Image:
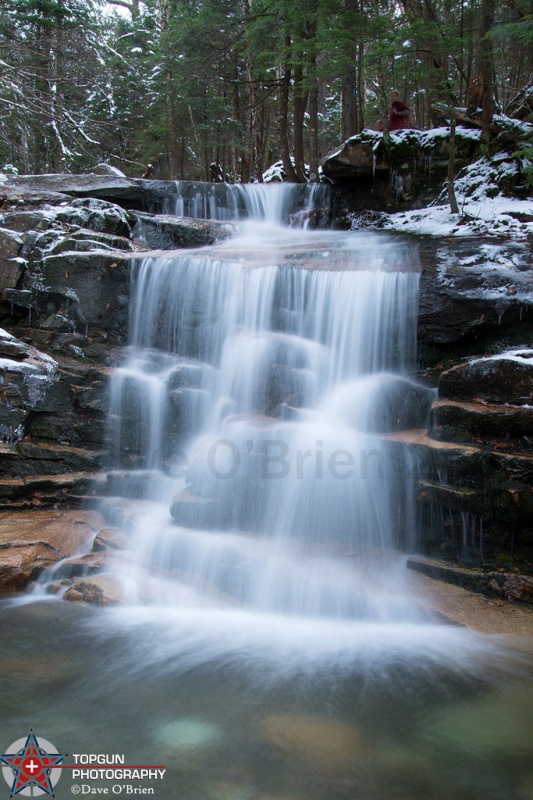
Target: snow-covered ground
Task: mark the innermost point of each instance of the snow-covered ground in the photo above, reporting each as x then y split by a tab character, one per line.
485	207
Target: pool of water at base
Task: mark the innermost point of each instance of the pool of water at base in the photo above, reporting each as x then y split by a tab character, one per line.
271	708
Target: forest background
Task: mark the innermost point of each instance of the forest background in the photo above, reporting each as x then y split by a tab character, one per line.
240	84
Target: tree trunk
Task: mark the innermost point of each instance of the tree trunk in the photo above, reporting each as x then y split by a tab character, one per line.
173	154
313	102
55	89
300	104
348	104
451	165
487	69
360	104
254	128
283	117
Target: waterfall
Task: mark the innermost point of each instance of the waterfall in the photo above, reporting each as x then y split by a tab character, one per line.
258	378
273	202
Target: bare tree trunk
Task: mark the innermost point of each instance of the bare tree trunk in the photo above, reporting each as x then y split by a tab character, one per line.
313	101
451	165
348	107
283	117
172	137
173	154
55	88
300	104
487	68
254	128
360	104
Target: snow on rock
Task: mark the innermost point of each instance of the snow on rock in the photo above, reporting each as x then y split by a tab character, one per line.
487	207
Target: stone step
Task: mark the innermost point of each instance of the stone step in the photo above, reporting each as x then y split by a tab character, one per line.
46	490
512	585
482	423
458	498
467	462
504	378
37	457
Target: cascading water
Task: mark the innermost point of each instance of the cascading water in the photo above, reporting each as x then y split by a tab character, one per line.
256	374
274	652
222	201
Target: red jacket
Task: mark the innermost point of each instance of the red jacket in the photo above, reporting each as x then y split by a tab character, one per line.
399	116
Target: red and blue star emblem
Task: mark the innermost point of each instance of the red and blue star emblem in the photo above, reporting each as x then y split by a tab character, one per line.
32	766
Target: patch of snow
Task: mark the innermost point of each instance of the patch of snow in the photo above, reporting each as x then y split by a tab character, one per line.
18	366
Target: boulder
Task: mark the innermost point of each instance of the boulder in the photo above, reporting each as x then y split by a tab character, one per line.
110	539
405	172
91	288
100	590
504	378
84	240
456	421
23	221
10	244
97	215
11	267
32	541
471	309
108	169
25	376
130	192
166	232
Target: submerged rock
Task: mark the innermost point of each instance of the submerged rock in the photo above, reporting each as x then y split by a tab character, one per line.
99	590
324	744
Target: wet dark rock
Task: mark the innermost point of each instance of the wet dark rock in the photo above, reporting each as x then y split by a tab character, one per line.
406	172
507	585
97	215
455	421
193	511
165	232
466	311
42	491
23	221
92	288
10	244
25	375
395	404
465	491
84	240
11	267
19	298
506	378
130	192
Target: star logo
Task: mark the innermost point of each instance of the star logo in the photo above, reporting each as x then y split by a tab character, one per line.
29	767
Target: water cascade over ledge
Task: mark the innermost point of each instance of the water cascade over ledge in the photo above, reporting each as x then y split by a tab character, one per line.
266	644
260	371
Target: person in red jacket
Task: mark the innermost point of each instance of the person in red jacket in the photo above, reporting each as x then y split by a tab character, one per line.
399	113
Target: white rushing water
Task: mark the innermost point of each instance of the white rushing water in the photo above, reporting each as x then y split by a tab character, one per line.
259	373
